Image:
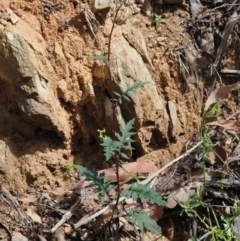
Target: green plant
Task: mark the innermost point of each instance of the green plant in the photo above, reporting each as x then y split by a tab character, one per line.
214	112
128	92
158	20
101	187
207	144
101	134
224	232
114	148
213	225
136	216
69	169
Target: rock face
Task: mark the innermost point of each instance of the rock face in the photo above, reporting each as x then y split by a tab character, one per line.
128	67
28	78
54	97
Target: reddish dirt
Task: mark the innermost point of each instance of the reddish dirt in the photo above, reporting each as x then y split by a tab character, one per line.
38	159
41	156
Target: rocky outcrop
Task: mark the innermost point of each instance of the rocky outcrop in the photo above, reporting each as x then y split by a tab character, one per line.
127	64
58	92
29	79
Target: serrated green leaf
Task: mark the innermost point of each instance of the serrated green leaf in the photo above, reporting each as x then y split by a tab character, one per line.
116	93
137	85
144	193
142	219
128	92
126	98
96	180
128	147
132	89
124	139
126	131
145	221
124	155
118	136
80	168
134	196
109	146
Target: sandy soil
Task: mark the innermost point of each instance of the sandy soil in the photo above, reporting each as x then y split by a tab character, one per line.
37	158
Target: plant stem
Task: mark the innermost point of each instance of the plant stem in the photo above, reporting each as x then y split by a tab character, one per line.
116	156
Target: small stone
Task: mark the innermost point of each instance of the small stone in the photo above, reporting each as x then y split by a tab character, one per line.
136	9
161	39
147	8
67	228
3	22
11	214
13	17
159	29
5	16
18	237
162	44
102	4
156	62
32	213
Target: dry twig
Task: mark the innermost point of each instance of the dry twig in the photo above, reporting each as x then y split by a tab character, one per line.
67	215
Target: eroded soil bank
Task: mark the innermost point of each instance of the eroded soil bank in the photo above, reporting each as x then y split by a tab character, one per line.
54	98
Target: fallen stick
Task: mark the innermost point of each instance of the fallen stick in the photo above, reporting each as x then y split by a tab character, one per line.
170	163
67	215
230	71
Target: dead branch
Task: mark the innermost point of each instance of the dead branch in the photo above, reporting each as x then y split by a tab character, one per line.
67	215
230	71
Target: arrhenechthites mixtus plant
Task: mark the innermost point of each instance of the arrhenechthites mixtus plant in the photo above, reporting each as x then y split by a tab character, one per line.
115	149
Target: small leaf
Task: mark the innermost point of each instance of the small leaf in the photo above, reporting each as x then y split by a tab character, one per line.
143	221
116	93
109	147
124	155
153	227
121	88
144	193
126	98
130	89
220	94
97	180
118	136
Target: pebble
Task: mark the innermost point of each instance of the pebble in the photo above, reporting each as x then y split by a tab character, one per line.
19	237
